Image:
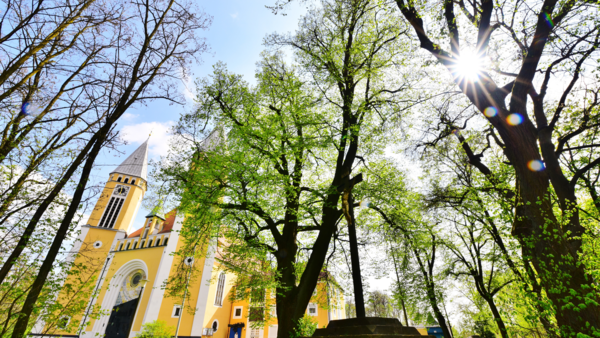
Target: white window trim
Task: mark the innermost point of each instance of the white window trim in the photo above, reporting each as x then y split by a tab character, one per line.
316	309
241	312
222	291
173	313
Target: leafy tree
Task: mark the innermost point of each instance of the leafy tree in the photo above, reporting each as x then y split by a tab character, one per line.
535	94
149	48
291	148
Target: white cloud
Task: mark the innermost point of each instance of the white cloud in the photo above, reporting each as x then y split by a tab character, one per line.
234	15
159	141
129	117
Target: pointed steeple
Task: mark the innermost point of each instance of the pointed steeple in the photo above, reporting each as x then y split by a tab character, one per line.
136	164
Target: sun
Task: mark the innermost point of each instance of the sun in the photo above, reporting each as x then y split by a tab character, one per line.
468	66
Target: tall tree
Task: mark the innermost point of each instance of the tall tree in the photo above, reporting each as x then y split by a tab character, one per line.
545	38
292	144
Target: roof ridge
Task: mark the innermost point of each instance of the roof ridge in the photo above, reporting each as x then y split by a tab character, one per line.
135	164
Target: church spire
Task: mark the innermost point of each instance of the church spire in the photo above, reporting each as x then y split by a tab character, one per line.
136	164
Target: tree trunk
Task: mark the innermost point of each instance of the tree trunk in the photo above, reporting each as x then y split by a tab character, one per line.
26	236
36	288
356	276
497	318
431	296
404	311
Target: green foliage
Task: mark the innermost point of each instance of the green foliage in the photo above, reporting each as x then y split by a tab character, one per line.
156	329
305	327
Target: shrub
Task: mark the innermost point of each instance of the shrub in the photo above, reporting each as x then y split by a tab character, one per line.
305	328
156	329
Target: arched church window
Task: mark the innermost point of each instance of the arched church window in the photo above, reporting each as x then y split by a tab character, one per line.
150	243
220	288
119	179
126	180
165	243
120	247
133	181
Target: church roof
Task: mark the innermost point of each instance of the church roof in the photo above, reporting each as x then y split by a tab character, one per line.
167	225
136	164
157	211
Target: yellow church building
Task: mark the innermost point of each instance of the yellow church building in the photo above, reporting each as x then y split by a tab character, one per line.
131	267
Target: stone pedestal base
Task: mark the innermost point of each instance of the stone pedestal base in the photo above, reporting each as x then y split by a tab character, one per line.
368	328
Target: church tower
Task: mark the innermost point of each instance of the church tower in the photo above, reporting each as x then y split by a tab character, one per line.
123	193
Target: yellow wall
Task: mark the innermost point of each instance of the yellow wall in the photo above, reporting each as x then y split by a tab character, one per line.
222	313
94	260
133	199
151	257
320	299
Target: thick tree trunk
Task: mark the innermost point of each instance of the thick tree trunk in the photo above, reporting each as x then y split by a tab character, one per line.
555	251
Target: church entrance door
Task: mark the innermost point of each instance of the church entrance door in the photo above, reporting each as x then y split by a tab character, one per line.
121	318
235	332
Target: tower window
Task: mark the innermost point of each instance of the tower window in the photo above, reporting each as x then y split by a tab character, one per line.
220	288
126	180
312	309
237	312
133	181
166	240
176	311
145	233
119	179
120	247
215	325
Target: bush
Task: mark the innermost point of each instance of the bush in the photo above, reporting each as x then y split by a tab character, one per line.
156	329
305	328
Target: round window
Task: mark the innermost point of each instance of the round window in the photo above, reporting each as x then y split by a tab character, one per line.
215	325
97	245
189	261
135	279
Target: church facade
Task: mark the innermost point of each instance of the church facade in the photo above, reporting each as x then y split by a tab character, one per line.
131	267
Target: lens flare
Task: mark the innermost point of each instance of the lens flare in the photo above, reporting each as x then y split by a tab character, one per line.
30	109
490	112
514	119
548	20
536	165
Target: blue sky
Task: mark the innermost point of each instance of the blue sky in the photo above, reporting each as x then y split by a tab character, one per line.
235	38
